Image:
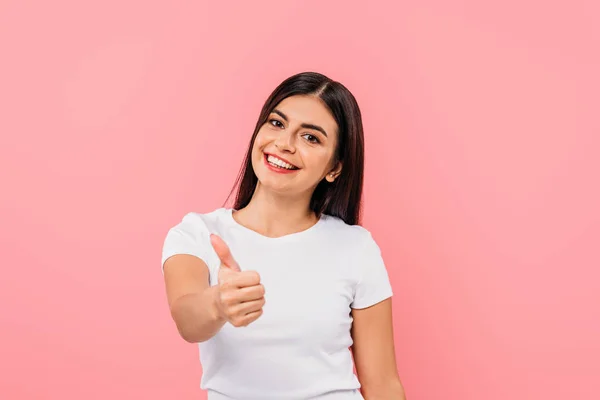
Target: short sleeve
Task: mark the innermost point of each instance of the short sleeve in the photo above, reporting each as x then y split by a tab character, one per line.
373	283
190	236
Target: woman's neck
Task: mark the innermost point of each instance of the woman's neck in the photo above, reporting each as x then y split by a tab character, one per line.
273	215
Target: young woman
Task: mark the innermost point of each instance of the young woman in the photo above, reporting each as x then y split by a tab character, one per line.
285	288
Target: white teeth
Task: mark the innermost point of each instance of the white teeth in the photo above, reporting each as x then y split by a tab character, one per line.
278	162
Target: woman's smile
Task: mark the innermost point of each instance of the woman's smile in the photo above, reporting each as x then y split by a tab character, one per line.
276	164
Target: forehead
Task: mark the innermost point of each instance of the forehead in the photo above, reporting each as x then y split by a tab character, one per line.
308	109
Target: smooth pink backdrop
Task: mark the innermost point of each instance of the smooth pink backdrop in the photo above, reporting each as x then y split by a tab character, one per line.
482	181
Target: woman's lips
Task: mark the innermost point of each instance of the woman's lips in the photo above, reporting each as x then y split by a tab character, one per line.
275	169
280	158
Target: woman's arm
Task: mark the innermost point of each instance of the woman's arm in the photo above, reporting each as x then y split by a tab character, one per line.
374	354
192	301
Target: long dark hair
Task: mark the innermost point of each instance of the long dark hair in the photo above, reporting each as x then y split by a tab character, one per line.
342	198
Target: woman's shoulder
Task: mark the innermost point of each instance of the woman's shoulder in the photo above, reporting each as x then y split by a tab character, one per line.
210	214
355	235
204	220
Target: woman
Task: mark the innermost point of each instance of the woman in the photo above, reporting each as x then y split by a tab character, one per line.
278	289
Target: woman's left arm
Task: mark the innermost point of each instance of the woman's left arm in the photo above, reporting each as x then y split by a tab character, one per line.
374	354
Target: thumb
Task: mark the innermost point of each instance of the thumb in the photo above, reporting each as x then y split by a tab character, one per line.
223	252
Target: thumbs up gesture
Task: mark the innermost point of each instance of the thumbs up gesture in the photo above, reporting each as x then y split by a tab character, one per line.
240	295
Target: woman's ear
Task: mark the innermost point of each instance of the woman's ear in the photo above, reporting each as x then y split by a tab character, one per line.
334	173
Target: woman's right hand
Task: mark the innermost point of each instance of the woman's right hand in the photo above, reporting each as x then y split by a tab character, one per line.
240	296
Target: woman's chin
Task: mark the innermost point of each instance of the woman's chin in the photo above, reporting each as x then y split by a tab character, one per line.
275	185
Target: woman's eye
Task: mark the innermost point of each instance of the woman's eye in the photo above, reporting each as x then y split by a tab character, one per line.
276	123
308	136
311	138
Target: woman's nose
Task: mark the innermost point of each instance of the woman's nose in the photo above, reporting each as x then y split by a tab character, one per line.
285	141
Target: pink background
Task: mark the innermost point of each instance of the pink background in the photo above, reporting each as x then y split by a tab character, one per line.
482	181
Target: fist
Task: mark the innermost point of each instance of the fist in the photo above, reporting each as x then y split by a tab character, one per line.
240	295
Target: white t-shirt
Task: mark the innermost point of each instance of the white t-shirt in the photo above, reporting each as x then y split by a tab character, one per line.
299	347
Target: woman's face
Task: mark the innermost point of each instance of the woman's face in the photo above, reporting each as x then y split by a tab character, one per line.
293	151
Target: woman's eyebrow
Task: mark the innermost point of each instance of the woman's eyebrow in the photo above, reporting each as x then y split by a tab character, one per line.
307	126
